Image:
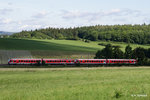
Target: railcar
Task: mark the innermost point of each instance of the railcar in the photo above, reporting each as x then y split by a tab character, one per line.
20	61
91	61
70	61
121	61
58	61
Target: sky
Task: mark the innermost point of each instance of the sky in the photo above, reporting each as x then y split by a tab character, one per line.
18	15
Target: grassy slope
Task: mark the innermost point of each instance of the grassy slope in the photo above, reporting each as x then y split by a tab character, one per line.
96	84
22	44
57	45
58	48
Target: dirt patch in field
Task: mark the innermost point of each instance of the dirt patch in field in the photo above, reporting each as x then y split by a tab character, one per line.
7	54
62	54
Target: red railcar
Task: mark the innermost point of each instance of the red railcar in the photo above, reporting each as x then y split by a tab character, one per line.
58	61
71	61
91	61
121	61
24	61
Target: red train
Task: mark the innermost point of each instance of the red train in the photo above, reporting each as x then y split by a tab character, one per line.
71	61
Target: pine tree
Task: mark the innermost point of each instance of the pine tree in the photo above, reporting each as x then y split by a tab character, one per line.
128	52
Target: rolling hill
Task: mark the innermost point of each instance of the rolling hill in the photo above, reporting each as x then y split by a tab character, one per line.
43	48
6	33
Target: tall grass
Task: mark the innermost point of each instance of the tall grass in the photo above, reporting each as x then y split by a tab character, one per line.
96	84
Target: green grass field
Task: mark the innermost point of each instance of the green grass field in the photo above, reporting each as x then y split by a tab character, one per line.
59	48
75	84
58	45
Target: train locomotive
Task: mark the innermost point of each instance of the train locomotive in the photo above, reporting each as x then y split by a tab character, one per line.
21	61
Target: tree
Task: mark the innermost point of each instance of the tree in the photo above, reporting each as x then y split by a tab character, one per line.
106	53
128	52
117	53
139	54
100	54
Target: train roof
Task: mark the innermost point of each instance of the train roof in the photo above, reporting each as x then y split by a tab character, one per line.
91	59
58	59
121	59
24	59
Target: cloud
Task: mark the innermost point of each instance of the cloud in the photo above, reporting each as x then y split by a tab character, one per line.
41	14
29	27
5	11
98	15
109	17
10	3
5	21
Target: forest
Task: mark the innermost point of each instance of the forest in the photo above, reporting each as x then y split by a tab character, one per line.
138	34
140	54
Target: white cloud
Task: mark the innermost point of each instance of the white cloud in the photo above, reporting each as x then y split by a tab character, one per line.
5	11
10	3
29	27
94	15
113	16
41	14
5	21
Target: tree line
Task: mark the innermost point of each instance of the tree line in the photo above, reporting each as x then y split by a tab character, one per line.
140	54
139	34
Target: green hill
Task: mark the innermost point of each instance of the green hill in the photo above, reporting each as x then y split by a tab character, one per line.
58	45
38	48
59	48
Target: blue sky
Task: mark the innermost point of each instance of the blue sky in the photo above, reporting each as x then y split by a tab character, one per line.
18	15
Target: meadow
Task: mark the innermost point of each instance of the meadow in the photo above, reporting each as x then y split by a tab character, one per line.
59	45
38	48
121	83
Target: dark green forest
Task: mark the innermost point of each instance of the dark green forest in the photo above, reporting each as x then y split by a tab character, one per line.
139	34
140	54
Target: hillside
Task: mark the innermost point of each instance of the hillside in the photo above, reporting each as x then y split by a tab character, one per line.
6	33
59	45
139	34
40	48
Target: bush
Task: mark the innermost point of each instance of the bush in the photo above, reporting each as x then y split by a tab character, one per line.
118	94
87	41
